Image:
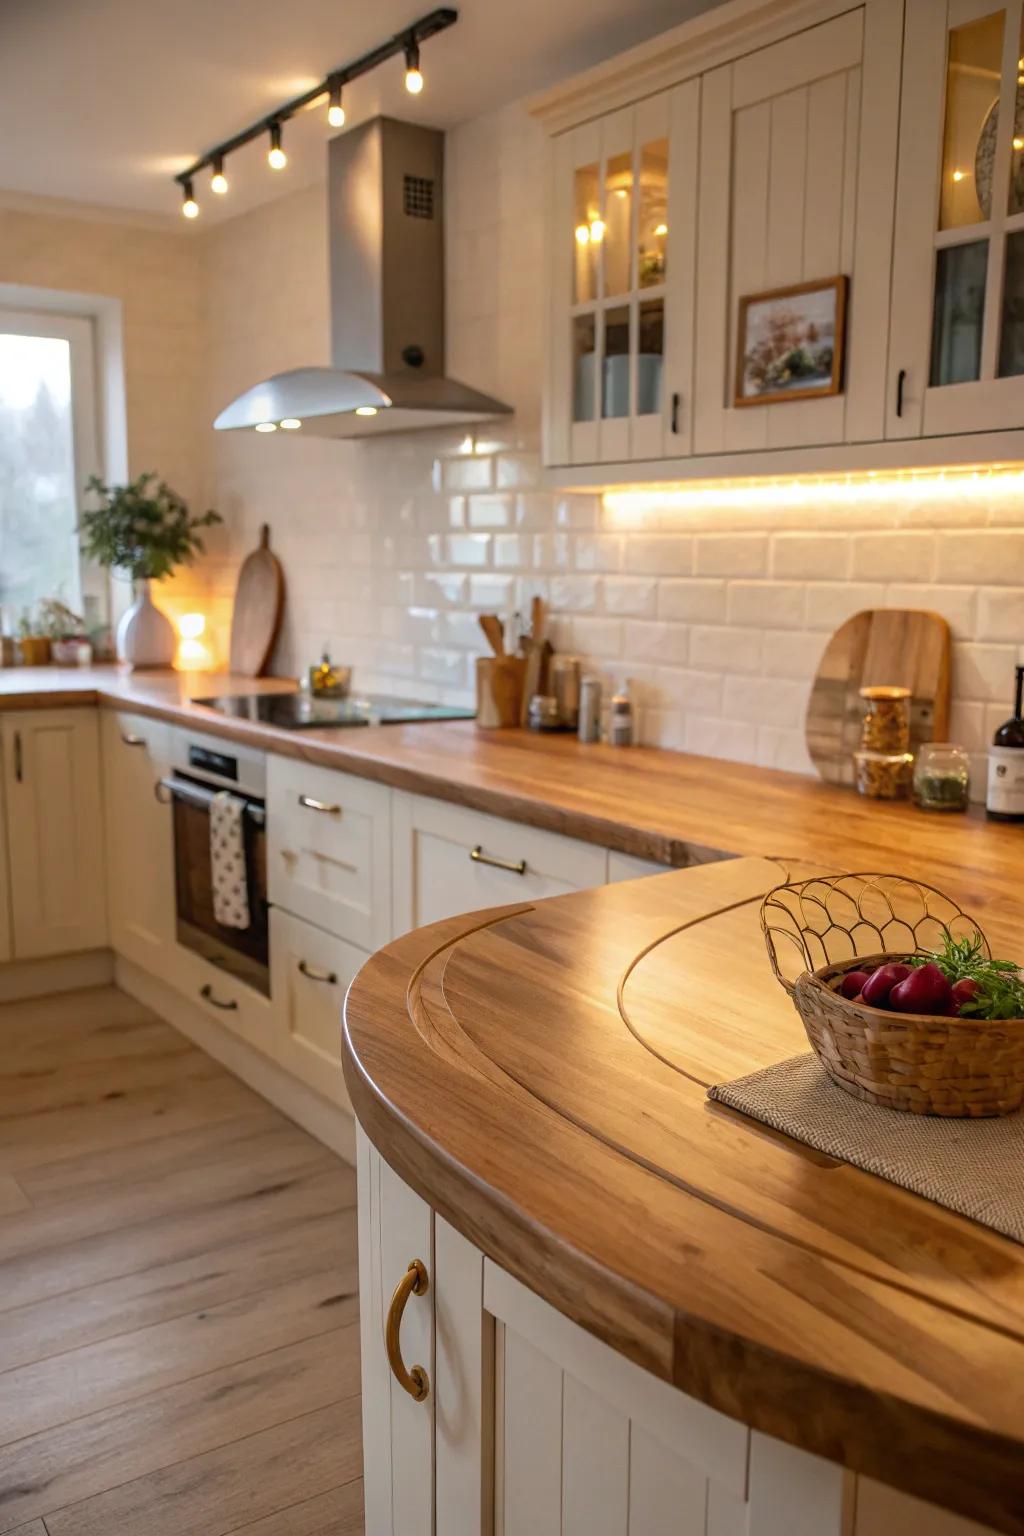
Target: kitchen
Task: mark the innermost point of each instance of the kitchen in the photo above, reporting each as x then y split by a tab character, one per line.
636	1310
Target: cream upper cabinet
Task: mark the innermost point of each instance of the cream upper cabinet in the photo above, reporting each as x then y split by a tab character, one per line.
798	156
51	765
622	209
140	850
957	351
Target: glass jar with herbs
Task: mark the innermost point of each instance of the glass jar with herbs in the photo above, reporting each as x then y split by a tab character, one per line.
942	777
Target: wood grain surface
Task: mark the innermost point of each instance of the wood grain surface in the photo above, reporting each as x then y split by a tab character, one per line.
178	1291
670	807
881	647
538	1074
259	604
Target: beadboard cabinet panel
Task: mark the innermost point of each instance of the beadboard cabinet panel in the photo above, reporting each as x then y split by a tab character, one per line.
54	806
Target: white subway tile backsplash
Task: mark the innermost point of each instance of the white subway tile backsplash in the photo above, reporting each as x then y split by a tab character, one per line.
761	701
759	603
490	511
984	556
491	592
893	556
740	554
597	552
810	556
1001	613
468	548
630	595
695	602
984	671
725	650
467	473
664	555
830	604
658	643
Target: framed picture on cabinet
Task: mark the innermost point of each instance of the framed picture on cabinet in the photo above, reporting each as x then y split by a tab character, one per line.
790	343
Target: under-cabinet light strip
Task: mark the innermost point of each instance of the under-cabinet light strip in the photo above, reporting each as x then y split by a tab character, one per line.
406	43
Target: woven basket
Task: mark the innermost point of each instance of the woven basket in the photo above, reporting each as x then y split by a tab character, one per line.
906	1061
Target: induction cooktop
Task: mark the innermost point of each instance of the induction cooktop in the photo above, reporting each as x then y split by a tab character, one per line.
301	711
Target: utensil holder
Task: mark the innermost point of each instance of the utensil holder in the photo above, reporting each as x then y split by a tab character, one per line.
499	691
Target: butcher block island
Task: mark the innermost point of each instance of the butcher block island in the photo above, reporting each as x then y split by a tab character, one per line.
593	1301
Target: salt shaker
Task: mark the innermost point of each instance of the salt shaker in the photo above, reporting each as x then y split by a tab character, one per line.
620	721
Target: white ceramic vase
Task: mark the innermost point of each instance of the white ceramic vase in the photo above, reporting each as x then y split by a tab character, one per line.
145	636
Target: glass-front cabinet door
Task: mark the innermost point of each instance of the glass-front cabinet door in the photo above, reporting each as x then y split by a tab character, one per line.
623	201
957	357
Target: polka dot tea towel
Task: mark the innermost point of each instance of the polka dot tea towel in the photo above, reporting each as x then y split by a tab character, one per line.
227	861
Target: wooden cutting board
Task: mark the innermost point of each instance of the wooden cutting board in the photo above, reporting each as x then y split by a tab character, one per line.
896	646
259	603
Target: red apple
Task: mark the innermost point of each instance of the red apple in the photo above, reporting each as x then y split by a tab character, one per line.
965	991
925	990
853	982
881	982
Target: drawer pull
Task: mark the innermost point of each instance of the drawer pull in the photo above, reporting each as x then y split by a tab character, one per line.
133	741
206	993
479	857
413	1283
319	805
312	974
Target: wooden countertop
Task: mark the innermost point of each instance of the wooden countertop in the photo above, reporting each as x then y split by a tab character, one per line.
538	1074
669	807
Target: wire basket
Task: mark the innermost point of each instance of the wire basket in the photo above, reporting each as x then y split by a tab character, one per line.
919	1063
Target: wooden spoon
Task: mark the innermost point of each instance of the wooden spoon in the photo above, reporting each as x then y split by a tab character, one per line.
492	628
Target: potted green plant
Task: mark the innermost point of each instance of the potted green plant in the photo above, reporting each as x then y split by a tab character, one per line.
146	530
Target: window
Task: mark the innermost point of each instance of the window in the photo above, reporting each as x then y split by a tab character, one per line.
48	449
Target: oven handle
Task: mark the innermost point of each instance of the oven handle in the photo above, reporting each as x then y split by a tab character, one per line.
167	790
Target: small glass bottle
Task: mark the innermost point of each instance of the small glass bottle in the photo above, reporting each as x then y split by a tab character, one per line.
1005	798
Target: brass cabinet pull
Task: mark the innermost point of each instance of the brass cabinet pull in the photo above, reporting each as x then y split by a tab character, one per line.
206	993
133	741
479	857
413	1283
319	805
312	974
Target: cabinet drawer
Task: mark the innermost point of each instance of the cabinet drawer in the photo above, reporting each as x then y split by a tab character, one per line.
328	840
246	1013
310	971
450	860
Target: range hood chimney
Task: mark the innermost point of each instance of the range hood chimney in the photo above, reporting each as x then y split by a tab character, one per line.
386	230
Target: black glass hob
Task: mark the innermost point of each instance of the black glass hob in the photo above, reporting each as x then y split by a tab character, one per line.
301	711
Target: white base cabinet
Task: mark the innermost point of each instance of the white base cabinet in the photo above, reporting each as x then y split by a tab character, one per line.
54	819
310	972
532	1427
140	846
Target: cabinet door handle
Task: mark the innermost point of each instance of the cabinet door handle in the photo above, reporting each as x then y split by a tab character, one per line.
206	993
479	857
901	379
319	805
133	741
413	1283
675	412
19	764
312	974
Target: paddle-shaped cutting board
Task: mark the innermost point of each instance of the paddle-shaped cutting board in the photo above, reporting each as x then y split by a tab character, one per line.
896	646
259	602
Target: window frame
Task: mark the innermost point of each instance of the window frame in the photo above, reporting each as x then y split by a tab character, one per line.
79	332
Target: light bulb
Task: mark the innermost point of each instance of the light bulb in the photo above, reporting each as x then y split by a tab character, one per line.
189	206
291	424
191	625
218	181
597	227
336	112
276	157
366	410
266	426
1018	143
413	77
959	175
661	229
582	234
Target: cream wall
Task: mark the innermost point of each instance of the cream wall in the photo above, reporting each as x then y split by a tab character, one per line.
391	548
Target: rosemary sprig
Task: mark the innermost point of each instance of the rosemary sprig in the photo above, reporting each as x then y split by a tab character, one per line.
1001	985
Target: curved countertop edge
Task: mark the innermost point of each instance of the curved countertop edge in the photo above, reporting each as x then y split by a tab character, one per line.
974	1470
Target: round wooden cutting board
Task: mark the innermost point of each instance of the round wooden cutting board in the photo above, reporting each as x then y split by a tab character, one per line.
259	603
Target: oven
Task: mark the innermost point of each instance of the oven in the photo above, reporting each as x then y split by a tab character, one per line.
200	768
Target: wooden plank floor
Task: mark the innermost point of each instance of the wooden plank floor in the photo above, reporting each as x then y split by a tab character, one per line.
179	1346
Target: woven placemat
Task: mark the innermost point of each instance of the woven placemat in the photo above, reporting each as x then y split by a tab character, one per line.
973	1167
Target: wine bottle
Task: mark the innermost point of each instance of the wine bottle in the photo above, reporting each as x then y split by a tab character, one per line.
1005	799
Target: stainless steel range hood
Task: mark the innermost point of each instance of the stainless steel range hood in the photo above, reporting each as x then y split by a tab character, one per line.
386	231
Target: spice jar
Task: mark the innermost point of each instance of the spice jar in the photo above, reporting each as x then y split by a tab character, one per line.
883	775
886	725
942	777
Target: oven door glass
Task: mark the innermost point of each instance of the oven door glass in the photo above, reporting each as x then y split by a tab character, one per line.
243	952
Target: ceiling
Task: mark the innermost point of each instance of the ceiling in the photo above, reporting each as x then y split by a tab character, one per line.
103	101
